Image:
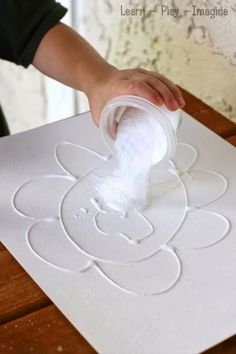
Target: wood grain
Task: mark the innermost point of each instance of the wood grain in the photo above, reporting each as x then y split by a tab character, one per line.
19	294
45	331
208	116
226	347
2	247
232	140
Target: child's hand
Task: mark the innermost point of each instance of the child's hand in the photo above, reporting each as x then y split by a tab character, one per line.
147	84
67	57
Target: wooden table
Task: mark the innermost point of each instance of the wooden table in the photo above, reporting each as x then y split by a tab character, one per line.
30	323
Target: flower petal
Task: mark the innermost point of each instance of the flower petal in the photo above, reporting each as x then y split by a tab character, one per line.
77	160
201	229
153	276
204	187
40	197
160	174
158	189
47	241
185	156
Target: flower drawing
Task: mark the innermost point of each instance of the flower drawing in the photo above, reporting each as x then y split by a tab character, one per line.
140	252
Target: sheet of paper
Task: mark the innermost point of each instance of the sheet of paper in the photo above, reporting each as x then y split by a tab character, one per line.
161	280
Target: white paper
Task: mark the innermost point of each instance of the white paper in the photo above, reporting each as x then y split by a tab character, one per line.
157	281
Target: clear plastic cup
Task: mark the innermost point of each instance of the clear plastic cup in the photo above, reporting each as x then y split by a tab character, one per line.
114	110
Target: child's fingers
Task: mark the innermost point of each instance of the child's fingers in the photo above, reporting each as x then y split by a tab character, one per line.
143	89
175	90
165	92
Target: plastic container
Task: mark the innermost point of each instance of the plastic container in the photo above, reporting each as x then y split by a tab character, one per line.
114	110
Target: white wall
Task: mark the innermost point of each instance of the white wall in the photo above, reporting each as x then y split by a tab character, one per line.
22	97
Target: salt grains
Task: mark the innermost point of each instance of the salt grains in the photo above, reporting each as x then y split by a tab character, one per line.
139	142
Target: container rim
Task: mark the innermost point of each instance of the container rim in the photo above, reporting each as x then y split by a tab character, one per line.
108	121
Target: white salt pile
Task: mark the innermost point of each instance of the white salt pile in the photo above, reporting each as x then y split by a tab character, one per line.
140	141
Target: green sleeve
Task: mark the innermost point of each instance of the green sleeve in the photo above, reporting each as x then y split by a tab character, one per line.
23	23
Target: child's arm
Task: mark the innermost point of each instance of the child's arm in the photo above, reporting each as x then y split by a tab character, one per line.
65	56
